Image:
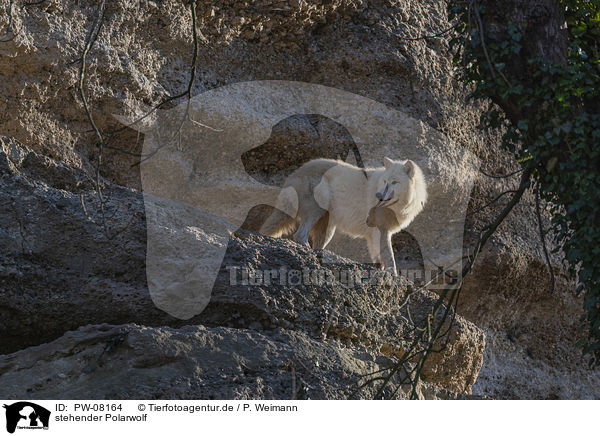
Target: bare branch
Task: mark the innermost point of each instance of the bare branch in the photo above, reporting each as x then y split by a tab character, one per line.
9	25
543	238
500	176
39	2
91	39
188	92
498	197
485	52
435	35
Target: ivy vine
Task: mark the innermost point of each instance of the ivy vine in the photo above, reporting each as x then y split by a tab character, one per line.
551	118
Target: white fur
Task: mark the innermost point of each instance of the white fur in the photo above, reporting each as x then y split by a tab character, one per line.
324	185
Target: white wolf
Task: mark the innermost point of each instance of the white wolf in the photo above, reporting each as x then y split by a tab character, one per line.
325	195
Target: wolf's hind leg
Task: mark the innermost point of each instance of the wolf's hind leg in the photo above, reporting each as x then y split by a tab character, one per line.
282	220
307	221
322	232
277	224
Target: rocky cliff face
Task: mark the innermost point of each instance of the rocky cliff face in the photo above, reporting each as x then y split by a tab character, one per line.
59	271
60	277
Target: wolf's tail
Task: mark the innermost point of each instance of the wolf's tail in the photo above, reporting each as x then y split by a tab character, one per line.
281	221
278	224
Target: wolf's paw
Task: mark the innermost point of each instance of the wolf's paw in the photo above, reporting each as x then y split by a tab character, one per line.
301	241
392	271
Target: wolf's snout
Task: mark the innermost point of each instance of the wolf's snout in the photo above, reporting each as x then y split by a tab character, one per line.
386	195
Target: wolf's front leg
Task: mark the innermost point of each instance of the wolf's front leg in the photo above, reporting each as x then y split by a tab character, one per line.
387	253
373	246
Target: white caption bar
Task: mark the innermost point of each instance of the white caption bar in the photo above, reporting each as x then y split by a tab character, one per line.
153	417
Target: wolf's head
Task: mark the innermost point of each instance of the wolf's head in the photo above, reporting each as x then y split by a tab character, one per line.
402	182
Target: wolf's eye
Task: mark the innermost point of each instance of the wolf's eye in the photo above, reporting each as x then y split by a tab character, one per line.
395	182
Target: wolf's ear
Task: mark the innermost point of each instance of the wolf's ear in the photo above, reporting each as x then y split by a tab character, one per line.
387	162
410	168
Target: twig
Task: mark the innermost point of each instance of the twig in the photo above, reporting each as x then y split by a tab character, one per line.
9	25
401	382
112	133
188	92
93	35
365	384
498	197
543	238
85	212
122	229
500	176
186	117
523	185
293	371
90	41
21	225
485	52
467	33
435	35
480	26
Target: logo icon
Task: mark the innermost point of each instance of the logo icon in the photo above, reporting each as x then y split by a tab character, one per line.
26	415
